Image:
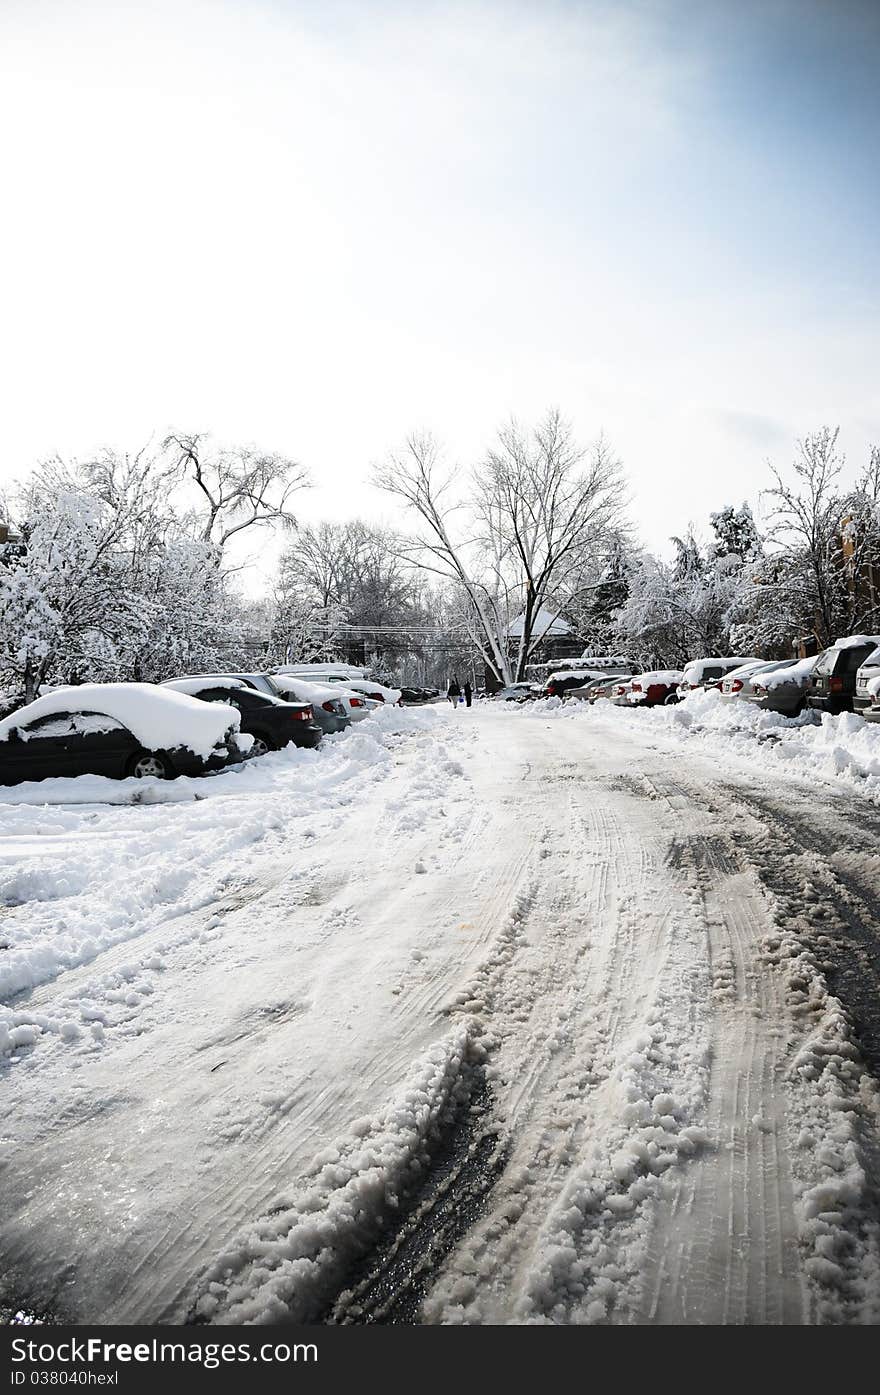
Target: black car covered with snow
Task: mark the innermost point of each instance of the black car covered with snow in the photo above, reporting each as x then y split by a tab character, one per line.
271	721
119	730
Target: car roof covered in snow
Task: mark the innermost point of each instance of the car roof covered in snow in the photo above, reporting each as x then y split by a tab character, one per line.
660	675
856	641
203	681
308	688
161	719
727	660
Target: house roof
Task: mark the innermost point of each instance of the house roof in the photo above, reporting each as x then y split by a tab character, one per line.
545	623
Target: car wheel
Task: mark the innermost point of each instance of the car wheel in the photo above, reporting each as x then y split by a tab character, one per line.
148	765
261	746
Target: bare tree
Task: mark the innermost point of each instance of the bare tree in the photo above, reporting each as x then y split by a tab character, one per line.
550	508
532	518
354	573
416	476
828	539
240	488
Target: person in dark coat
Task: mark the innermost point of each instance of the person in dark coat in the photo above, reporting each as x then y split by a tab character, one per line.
468	692
454	692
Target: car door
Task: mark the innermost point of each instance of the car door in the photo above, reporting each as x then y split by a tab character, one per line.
103	746
40	749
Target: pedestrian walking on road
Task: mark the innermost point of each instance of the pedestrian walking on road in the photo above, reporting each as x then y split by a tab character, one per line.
454	692
468	692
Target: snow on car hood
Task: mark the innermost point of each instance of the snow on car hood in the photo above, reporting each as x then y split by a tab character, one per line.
161	719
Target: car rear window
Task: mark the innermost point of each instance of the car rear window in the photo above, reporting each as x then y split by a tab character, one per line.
841	661
711	671
850	660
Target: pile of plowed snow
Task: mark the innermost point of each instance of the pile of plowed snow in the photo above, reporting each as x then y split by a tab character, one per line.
78	875
845	747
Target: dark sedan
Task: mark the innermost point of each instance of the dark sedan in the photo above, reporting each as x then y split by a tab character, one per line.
328	711
88	731
271	722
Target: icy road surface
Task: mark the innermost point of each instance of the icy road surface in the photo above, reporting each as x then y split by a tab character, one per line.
487	1016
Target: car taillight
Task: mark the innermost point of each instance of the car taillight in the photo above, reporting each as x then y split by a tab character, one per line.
356	702
635	687
377	697
735	685
835	685
304	714
328	706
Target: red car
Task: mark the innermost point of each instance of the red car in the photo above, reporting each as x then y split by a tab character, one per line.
652	689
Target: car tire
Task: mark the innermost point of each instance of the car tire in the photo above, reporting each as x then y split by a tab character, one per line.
149	765
262	745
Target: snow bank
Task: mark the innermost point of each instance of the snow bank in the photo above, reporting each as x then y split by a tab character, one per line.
811	746
290	1263
78	875
159	718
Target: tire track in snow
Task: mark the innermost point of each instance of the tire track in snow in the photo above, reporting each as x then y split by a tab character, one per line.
726	1249
562	1007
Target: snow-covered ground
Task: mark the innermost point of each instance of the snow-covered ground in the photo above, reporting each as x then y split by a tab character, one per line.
536	999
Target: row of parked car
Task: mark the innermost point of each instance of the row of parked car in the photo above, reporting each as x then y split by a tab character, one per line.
843	678
184	726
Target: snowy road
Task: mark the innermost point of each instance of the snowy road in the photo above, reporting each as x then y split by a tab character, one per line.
496	1017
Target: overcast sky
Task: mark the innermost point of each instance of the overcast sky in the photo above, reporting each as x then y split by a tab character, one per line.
317	226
